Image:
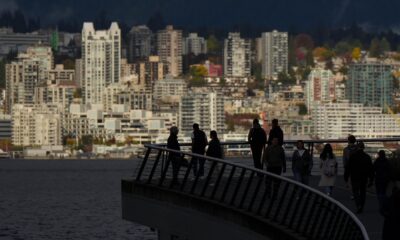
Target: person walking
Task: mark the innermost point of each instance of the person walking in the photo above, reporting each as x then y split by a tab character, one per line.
302	163
214	150
275	132
360	170
347	152
329	169
382	177
257	139
199	143
274	159
174	158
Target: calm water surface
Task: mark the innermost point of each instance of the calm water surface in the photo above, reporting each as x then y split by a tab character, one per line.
67	199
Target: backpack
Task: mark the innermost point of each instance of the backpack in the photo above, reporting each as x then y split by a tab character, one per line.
329	167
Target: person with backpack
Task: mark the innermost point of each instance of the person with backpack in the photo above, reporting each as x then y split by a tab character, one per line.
199	143
360	170
257	139
302	163
382	177
329	169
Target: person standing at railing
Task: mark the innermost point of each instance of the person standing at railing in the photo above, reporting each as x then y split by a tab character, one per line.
274	159
214	146
347	152
302	163
174	158
257	139
391	213
199	143
382	177
360	170
329	169
275	132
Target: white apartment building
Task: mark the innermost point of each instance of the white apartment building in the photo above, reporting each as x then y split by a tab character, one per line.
320	87
204	108
59	88
193	44
142	125
36	125
338	120
101	61
170	49
23	75
237	56
274	48
169	89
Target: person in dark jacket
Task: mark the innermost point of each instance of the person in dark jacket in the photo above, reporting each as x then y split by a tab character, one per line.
382	177
275	132
302	163
174	158
257	139
214	146
349	150
199	143
275	160
360	170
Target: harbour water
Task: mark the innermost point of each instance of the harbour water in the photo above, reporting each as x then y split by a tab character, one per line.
65	199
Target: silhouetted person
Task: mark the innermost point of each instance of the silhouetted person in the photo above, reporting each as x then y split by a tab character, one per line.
329	169
214	146
174	158
274	159
302	163
348	151
391	213
382	177
360	169
199	143
275	132
257	139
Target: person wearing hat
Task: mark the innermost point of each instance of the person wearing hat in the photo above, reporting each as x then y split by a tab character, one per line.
361	173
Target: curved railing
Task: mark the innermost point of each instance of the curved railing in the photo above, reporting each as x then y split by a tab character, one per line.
297	208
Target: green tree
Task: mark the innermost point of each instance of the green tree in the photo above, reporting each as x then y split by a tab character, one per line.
286	79
342	48
384	45
374	48
213	45
302	109
197	74
87	140
292	52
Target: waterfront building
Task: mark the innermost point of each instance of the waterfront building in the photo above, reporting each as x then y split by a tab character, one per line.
237	56
140	43
370	83
274	54
36	125
101	61
193	44
204	108
22	75
169	49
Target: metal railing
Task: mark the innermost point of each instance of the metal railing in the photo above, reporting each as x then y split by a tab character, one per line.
293	206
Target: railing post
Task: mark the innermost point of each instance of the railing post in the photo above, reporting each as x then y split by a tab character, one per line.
153	169
228	183
238	186
221	173
246	191
143	164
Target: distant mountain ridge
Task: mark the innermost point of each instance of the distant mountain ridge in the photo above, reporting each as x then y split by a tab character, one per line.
282	14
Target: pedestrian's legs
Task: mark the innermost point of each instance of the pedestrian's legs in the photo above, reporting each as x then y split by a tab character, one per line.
297	175
328	190
363	194
273	183
381	194
305	179
256	152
